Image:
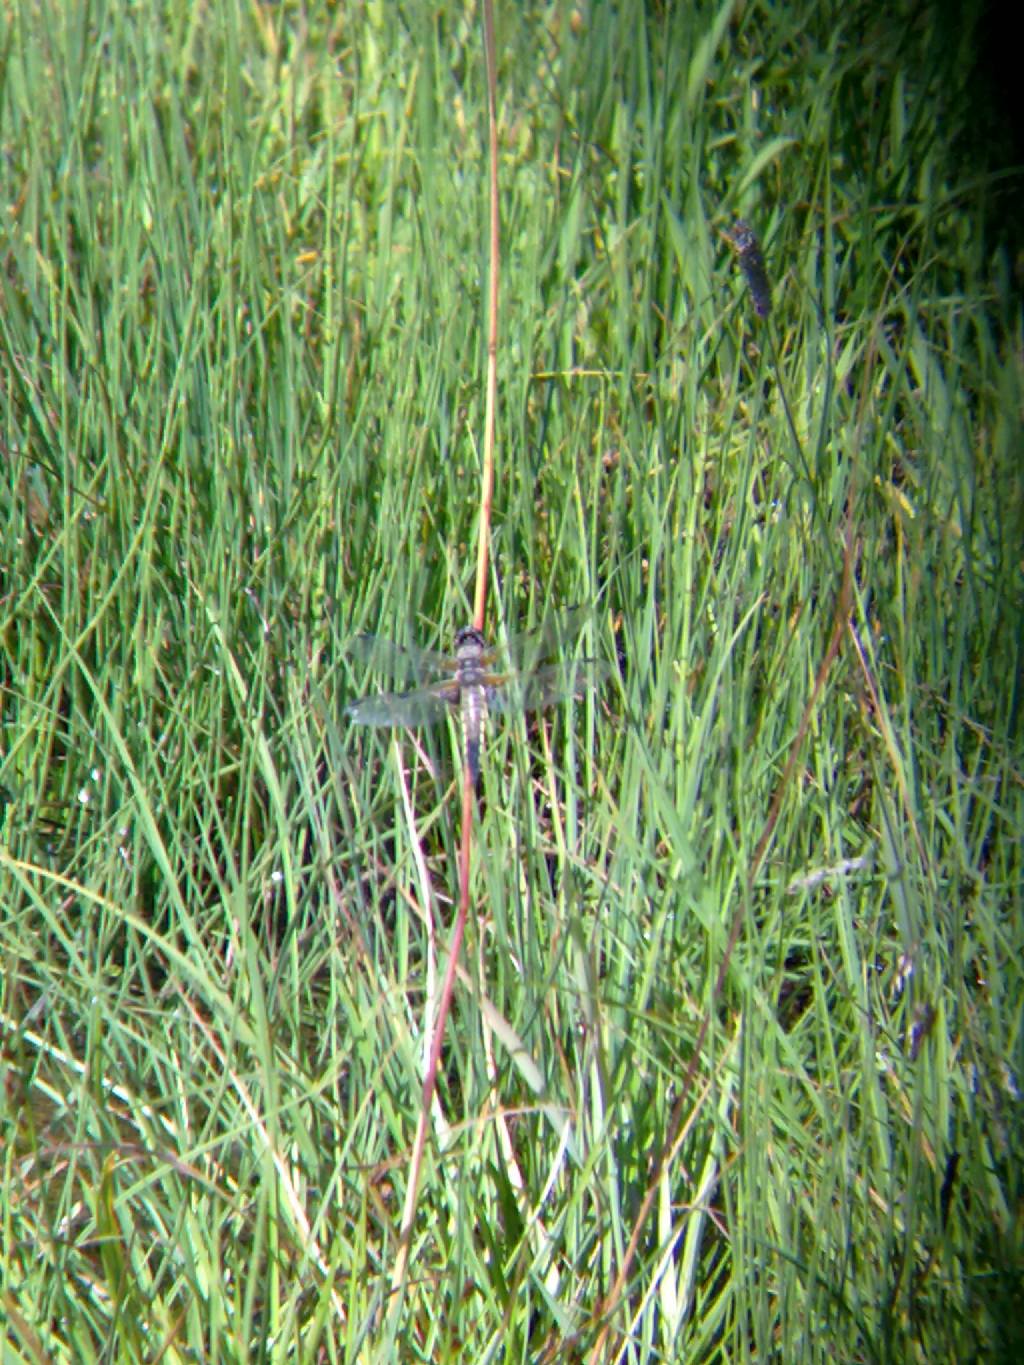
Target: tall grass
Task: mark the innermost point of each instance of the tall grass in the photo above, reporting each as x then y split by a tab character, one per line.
242	350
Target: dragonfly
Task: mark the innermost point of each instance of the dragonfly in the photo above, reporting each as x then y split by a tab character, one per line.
469	682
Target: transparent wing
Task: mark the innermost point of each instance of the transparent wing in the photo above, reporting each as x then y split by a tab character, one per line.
425	706
526	689
526	648
399	661
545	687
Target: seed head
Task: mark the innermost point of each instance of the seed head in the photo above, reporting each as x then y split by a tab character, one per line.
744	242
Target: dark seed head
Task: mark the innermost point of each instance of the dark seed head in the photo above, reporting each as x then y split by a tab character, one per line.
744	241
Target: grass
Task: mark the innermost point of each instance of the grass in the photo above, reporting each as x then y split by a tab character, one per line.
242	354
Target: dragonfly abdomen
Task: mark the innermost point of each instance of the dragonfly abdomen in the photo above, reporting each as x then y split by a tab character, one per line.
474	717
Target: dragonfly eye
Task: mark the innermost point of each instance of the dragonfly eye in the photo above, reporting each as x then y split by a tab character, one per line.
468	635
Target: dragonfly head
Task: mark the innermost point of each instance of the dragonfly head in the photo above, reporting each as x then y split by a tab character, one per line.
469	643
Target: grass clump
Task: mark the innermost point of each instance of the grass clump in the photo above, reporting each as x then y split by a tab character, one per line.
771	875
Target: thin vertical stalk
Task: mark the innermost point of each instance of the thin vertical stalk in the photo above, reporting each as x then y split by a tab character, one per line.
487	477
400	1268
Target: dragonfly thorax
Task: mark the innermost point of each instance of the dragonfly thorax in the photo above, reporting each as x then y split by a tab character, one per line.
469	653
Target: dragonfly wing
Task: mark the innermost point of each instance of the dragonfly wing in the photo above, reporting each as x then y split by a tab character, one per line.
531	691
426	706
398	661
558	634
